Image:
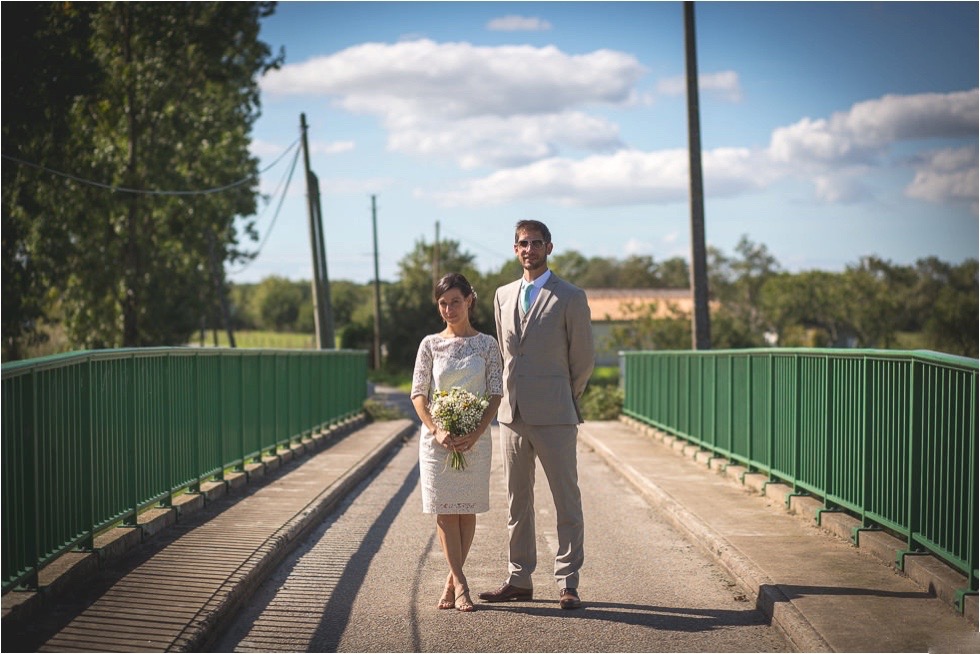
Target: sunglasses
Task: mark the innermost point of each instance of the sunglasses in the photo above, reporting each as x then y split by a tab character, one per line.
536	244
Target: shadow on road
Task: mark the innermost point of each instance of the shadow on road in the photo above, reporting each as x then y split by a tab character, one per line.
663	618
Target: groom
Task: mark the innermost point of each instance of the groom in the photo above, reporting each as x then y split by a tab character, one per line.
544	329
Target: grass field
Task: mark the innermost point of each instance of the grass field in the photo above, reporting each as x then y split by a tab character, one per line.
261	339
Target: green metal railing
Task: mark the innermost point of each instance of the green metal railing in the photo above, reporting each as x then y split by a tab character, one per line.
890	437
92	438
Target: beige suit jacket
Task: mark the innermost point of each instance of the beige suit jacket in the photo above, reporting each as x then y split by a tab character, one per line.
548	356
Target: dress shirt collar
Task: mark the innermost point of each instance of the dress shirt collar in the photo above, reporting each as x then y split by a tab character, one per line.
539	282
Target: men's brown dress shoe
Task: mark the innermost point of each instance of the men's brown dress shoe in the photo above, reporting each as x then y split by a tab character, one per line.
569	599
507	593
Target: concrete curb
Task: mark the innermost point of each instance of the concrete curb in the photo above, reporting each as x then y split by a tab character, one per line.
202	631
769	599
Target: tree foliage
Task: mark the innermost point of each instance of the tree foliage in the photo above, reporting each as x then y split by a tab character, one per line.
409	308
166	97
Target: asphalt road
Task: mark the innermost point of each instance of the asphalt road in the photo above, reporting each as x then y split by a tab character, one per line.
369	577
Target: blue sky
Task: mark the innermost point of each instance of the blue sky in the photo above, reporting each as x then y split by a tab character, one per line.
830	130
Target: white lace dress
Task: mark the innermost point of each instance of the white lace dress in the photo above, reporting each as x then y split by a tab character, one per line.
472	363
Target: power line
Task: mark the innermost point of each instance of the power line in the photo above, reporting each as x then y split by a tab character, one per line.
275	216
477	245
122	189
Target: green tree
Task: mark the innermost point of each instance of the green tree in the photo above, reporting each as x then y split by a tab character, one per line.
875	301
410	301
638	271
643	330
46	65
278	301
953	324
674	273
243	311
170	106
810	300
570	265
735	283
601	273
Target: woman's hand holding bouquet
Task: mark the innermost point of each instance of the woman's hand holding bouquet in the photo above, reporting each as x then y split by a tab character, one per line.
458	412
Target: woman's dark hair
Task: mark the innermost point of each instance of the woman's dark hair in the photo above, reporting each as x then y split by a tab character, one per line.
451	281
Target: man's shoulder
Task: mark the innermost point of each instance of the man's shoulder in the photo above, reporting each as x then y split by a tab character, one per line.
557	284
508	287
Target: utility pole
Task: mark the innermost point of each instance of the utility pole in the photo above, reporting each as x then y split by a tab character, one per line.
436	259
377	288
321	288
700	324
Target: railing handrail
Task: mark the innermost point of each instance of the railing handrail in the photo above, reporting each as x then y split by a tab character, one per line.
65	358
930	356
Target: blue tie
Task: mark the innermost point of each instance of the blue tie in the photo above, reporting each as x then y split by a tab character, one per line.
526	298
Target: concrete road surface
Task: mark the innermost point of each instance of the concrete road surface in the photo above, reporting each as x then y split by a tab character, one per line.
369	577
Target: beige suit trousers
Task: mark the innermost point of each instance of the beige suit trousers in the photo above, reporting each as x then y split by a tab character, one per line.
555	447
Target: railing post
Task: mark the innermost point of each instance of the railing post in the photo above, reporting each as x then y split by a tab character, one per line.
86	427
168	431
130	366
828	444
914	470
35	500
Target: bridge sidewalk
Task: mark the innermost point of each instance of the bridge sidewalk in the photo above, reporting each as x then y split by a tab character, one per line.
823	592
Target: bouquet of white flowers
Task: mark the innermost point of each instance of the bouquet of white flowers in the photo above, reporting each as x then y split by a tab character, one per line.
458	412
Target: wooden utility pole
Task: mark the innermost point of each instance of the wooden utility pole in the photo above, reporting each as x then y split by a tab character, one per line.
321	285
436	260
700	324
377	288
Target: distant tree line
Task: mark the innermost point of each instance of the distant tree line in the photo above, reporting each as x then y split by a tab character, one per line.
871	304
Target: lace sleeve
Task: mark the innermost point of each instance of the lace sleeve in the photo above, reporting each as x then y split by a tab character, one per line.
422	376
495	367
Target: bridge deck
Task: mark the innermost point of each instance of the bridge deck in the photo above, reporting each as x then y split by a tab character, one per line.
174	591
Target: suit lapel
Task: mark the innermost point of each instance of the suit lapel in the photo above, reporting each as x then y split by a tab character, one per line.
512	308
544	298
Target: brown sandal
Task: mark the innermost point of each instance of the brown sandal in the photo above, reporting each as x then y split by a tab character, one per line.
463	601
447	601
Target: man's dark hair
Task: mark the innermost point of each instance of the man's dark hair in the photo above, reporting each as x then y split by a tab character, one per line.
533	225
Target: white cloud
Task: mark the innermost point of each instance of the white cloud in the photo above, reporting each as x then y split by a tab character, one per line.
523	113
944	175
837	152
423	79
502	106
518	24
840	189
625	177
725	84
506	142
834	154
869	127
